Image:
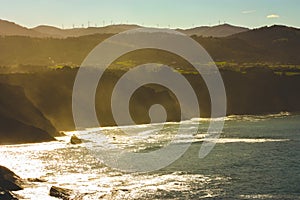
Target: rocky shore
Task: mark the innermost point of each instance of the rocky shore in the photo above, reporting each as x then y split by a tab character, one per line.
11	182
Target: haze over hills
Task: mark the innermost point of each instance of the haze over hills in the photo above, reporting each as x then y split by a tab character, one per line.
10	28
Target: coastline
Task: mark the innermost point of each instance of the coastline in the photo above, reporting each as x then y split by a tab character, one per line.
248	141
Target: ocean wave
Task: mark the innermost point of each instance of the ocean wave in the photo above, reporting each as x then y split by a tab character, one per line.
195	121
256	117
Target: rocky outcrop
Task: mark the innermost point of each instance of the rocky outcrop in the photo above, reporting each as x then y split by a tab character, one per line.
9	181
7	195
75	140
61	193
65	194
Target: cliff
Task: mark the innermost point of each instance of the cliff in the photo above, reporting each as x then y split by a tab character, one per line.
255	91
21	121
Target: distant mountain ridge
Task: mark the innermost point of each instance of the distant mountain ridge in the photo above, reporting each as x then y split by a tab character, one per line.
269	33
274	44
11	29
223	30
78	32
270	44
43	31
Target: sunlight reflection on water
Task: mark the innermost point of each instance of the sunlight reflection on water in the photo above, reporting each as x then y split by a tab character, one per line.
227	170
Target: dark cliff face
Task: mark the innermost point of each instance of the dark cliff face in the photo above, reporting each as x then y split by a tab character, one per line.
21	121
13	131
253	92
51	93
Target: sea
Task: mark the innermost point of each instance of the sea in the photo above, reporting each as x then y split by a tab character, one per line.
256	157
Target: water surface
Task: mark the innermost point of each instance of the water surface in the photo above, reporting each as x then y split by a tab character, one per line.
257	157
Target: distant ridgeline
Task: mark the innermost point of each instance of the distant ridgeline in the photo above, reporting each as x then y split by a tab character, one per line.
266	45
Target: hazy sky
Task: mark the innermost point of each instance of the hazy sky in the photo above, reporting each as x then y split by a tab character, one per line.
176	13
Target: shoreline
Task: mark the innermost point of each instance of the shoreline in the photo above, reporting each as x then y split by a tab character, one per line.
67	134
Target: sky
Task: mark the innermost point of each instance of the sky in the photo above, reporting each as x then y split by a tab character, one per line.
155	13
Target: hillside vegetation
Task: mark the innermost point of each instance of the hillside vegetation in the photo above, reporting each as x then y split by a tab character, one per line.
267	45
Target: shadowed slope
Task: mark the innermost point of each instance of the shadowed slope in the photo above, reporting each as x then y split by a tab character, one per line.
21	121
